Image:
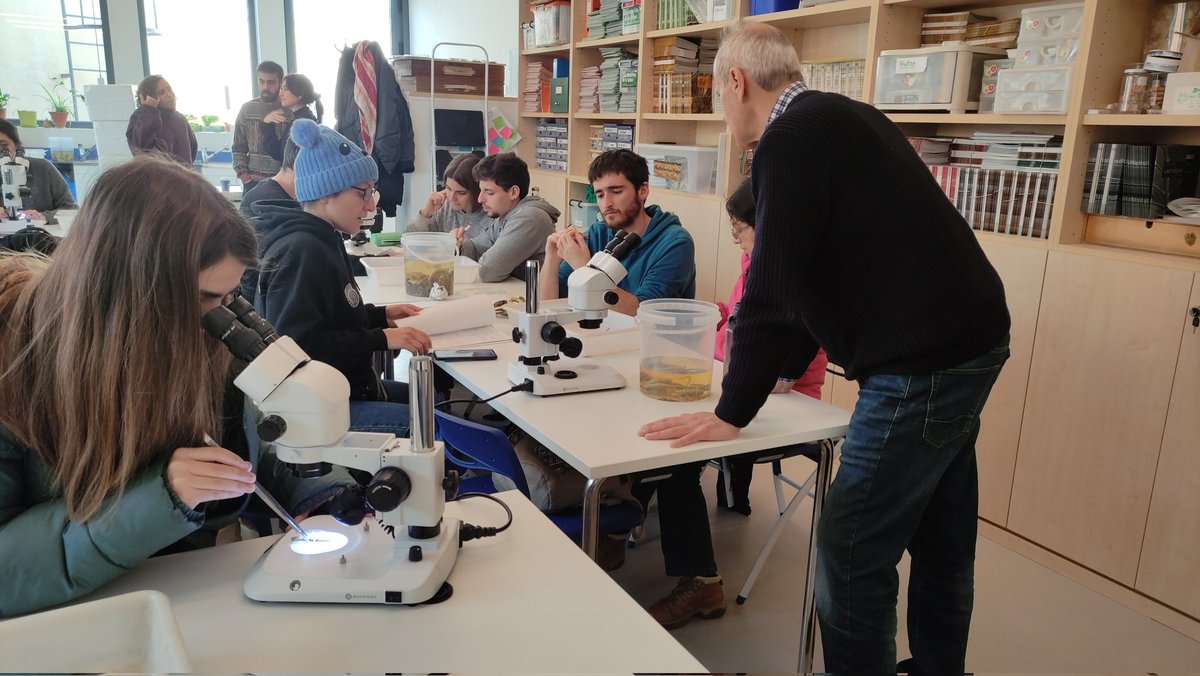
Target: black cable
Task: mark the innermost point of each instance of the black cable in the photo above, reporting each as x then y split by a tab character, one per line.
526	386
468	532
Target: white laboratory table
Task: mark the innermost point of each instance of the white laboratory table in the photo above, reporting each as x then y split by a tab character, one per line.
525	601
386	295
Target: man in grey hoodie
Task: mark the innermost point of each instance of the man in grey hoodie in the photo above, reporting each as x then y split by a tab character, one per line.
519	222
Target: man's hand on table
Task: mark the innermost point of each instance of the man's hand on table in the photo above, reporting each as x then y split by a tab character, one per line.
689	428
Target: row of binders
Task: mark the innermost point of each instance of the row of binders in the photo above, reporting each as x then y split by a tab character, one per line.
1009	202
1125	179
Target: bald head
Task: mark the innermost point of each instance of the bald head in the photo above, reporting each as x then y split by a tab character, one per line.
762	51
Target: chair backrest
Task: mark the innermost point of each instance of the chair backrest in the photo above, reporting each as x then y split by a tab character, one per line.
471	445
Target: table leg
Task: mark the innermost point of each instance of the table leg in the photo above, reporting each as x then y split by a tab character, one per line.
591	516
808	622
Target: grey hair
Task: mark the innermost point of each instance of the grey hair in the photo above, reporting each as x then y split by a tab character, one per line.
760	50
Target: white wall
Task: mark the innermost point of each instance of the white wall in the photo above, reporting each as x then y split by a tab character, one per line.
491	23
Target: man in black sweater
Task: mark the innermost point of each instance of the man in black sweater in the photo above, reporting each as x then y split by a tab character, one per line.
858	251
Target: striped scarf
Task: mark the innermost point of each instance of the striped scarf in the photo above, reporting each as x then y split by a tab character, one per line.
366	93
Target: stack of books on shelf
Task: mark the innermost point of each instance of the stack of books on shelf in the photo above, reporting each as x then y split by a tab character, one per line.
605	21
628	69
631	17
680	86
836	77
589	90
613	78
675	14
535	97
610	137
1139	181
551	146
1000	182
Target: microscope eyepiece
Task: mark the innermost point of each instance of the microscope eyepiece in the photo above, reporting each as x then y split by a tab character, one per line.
251	319
222	324
621	244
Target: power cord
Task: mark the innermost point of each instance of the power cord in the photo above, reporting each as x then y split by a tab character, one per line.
526	386
468	532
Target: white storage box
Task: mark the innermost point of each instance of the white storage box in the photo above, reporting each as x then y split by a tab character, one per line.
552	24
1182	95
944	78
1055	51
131	633
683	168
1040	79
1042	103
1054	21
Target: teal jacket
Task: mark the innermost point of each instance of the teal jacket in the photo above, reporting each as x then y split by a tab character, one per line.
662	266
47	559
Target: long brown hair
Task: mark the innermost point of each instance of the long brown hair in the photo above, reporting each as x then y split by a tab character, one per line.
104	366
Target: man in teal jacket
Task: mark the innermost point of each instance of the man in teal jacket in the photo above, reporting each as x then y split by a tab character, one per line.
662	266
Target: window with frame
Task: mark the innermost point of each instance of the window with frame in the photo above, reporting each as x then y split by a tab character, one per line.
60	46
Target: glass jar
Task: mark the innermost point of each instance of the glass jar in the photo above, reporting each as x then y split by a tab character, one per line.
1133	91
1156	91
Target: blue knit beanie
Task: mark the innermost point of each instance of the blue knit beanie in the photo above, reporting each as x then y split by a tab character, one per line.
328	162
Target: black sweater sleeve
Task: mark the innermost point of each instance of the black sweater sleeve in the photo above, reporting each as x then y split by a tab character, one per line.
770	332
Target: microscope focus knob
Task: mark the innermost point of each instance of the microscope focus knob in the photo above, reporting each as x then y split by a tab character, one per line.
571	347
271	428
388	489
553	333
611	297
517	335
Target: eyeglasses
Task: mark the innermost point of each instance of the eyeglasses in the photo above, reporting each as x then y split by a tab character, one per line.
367	194
738	228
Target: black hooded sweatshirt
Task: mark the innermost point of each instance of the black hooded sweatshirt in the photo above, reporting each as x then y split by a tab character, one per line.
306	289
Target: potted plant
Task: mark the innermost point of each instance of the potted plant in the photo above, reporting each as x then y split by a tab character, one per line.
60	97
4	98
193	123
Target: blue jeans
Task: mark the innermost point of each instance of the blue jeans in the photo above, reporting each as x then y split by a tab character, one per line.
384	417
907	480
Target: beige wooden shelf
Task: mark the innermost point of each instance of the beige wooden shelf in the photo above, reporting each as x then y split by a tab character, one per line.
1142	120
977	118
630	39
842	13
553	49
526	113
712	27
685	117
957	4
604	116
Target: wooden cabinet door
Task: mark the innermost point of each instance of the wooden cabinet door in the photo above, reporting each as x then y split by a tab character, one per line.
1023	269
1104	356
1170	566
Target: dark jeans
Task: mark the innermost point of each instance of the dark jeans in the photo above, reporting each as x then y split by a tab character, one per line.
683	516
907	480
387	417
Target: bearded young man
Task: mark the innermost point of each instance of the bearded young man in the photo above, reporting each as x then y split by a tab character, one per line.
662	266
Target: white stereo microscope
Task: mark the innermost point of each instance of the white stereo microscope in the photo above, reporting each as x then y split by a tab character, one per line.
541	335
14	182
405	553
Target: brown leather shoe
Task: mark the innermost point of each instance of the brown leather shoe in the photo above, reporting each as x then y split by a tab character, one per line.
690	598
610	552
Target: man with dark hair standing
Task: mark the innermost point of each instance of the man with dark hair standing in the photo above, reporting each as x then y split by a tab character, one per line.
279	188
257	145
662	266
859	252
519	223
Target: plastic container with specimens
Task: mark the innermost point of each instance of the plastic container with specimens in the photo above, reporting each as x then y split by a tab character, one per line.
678	338
1039	79
932	78
1044	103
1051	52
1054	21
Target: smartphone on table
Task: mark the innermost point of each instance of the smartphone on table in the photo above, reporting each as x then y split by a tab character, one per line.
464	355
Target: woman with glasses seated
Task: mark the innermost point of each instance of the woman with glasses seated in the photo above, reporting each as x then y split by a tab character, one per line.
305	285
740	207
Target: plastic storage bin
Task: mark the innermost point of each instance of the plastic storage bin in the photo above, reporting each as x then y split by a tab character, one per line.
678	336
768	6
1043	103
1055	21
1052	52
943	78
683	168
552	23
1040	79
583	214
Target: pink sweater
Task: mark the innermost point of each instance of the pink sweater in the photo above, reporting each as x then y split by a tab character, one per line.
810	383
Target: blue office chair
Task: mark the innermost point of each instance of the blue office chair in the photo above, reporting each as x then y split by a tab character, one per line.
487	450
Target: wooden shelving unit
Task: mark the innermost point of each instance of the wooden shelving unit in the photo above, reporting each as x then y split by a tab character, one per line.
980	119
1095	120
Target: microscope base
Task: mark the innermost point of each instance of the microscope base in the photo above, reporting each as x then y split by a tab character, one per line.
589	376
371	567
